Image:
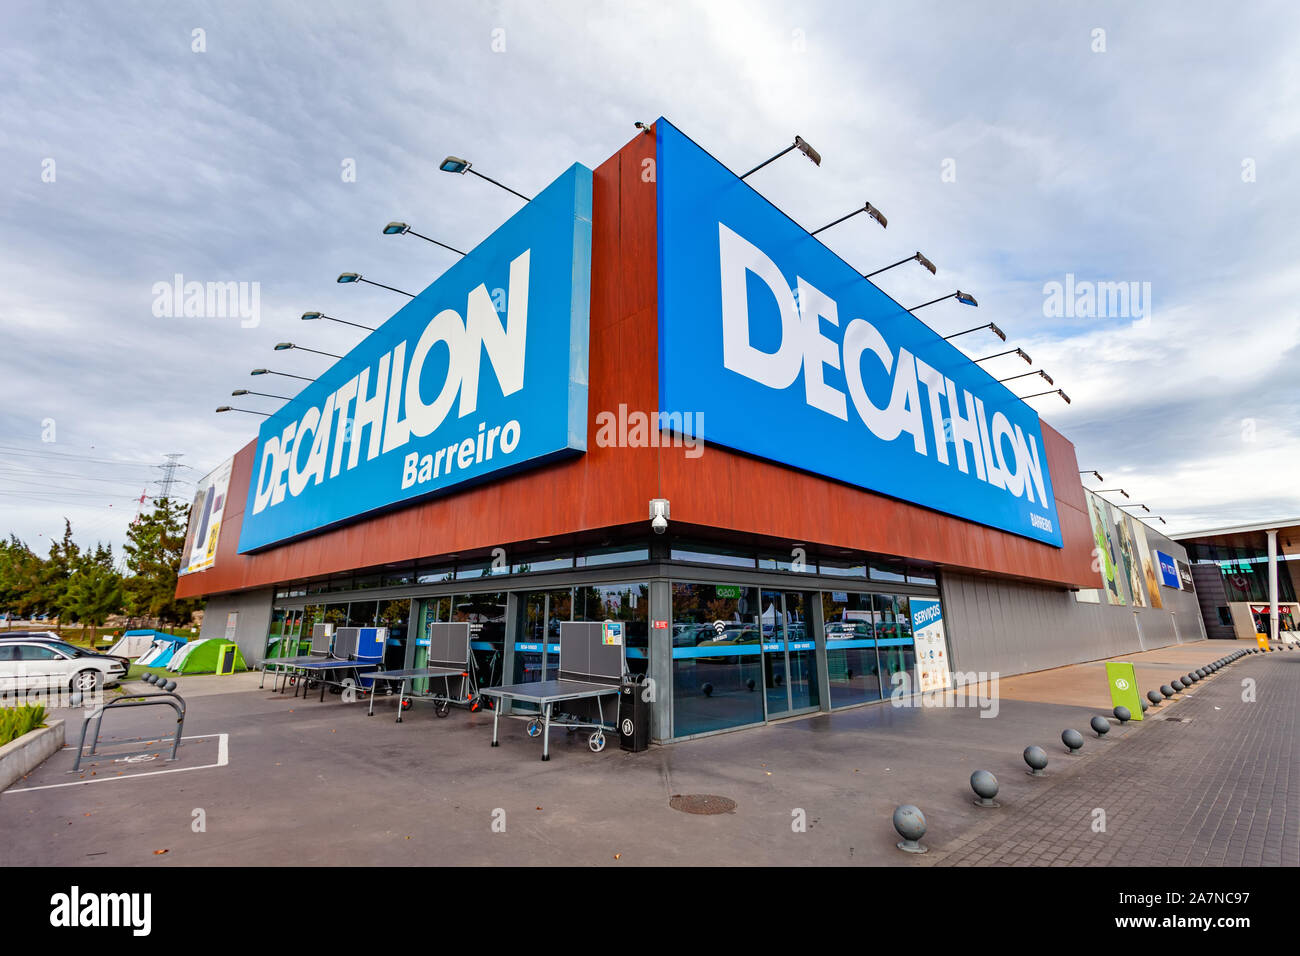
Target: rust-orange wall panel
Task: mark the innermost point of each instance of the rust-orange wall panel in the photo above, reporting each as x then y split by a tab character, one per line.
609	487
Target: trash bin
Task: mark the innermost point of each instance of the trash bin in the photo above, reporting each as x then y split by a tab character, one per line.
633	715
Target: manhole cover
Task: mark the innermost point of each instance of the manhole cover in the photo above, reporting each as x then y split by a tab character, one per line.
703	803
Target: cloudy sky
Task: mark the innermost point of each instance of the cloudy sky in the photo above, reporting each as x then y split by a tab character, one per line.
1013	143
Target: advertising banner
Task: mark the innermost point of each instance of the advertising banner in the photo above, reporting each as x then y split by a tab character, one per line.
481	374
931	644
1185	576
789	354
1103	554
1169	575
1143	553
1124	687
204	527
1128	563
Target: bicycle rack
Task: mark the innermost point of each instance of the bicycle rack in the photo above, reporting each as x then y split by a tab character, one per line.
172	700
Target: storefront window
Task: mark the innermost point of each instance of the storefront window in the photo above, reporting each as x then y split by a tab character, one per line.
717	658
616	555
843	567
486	614
275	636
435	575
336	614
887	571
395	616
703	554
850	621
629	603
894	646
362	614
543	563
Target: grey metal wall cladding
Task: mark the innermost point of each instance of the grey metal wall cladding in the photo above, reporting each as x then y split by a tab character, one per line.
251	627
1013	628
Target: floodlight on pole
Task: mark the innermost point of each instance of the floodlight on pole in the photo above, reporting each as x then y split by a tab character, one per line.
454	164
916	256
247	411
965	298
1054	391
1017	351
314	316
989	325
286	346
1103	490
402	229
347	278
267	371
870	210
1037	371
1089	471
244	391
800	144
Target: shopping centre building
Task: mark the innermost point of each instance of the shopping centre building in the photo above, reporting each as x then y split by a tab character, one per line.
651	397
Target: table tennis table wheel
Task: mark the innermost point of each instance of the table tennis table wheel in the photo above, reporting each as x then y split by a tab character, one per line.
406	705
596	742
442	708
534	728
474	704
292	681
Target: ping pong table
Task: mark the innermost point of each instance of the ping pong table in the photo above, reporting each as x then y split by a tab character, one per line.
322	639
449	657
357	652
590	669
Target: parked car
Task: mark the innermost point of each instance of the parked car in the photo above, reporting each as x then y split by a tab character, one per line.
49	637
27	663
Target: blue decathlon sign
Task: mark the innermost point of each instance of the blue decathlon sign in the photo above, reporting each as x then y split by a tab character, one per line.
482	373
792	356
1168	571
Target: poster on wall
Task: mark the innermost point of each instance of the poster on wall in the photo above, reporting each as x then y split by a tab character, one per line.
1103	555
1143	553
1168	569
205	520
931	646
1128	564
1185	575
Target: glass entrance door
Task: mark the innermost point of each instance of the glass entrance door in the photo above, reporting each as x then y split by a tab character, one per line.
789	655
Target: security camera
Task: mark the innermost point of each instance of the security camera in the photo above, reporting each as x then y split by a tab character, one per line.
659	515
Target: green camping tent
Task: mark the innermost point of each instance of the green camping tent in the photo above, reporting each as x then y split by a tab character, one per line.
203	659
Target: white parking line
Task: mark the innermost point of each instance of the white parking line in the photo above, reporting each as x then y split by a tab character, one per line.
223	758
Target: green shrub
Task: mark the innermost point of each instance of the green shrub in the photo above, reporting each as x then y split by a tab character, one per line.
16	721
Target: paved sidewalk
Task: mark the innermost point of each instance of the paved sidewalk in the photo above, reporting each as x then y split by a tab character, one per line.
1213	781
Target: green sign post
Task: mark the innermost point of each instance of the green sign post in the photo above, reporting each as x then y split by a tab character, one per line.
1124	687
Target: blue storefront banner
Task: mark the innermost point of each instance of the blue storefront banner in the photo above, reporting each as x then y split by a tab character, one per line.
481	374
791	355
1168	571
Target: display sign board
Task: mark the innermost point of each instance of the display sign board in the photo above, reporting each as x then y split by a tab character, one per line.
1169	576
1124	687
612	633
481	374
1185	576
226	658
932	666
789	354
205	520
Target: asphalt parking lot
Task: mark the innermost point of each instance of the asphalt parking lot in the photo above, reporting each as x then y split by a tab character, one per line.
267	779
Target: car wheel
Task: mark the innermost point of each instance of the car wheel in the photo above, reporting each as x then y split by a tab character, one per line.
86	681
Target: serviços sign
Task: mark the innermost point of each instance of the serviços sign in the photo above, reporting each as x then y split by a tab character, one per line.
482	373
792	356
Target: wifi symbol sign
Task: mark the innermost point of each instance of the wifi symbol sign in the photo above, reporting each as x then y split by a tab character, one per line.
720	627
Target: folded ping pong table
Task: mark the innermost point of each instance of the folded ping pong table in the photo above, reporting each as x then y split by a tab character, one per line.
449	659
322	641
590	669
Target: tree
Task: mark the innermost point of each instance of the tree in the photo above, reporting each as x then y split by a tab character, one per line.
155	542
20	572
95	588
55	574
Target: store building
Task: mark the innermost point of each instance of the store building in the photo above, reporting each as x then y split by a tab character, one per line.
650	396
1246	579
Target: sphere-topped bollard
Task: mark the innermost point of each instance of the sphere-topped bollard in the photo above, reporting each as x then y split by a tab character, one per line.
1122	714
1144	704
1167	690
985	786
1154	697
1177	685
909	821
1036	757
1072	739
1100	726
150	678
